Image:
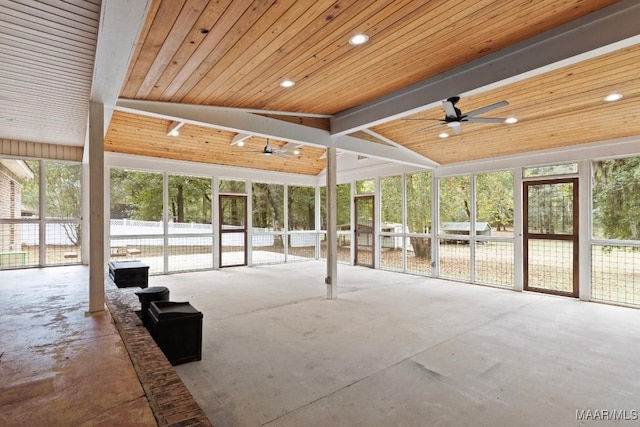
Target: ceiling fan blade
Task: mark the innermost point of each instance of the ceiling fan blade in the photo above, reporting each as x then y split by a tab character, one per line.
427	128
450	109
487	108
421	120
485	120
282	154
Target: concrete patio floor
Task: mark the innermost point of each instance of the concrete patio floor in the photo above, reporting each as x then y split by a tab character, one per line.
392	350
60	366
401	350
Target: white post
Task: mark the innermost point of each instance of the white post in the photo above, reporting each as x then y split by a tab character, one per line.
248	190
518	230
215	220
332	226
584	229
96	207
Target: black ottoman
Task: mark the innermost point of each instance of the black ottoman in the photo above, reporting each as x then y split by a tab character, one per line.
126	274
177	329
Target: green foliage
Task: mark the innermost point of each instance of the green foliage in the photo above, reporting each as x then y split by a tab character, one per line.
455	199
418	202
190	199
494	199
301	208
616	198
268	206
391	199
62	196
137	195
343	205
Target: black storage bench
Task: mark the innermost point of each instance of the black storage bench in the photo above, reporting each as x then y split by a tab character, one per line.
127	274
177	329
146	296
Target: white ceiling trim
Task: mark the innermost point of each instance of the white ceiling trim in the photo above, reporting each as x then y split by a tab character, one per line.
121	22
602	31
234	120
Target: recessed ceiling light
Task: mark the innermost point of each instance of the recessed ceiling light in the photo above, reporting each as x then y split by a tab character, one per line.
511	120
296	152
358	39
613	97
241	143
174	132
444	135
287	83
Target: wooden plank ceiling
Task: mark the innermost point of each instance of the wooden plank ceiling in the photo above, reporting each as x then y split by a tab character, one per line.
236	53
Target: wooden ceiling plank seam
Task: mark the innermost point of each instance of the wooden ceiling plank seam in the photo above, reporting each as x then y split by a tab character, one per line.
75	9
205	22
179	31
492	27
132	81
28	46
267	74
20	25
161	24
517	61
204	54
91	6
40	109
184	83
29	15
292	21
394	51
292	61
332	55
255	39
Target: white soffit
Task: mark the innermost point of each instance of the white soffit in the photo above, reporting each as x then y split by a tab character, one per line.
47	53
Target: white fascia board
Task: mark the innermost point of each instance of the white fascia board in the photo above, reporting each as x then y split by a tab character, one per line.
154	164
622	147
121	22
240	121
606	30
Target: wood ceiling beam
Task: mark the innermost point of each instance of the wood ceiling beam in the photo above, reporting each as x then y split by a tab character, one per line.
600	32
240	121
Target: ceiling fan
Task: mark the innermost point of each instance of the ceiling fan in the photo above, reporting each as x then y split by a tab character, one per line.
285	152
454	117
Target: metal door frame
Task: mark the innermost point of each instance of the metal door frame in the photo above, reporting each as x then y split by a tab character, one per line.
243	230
372	231
574	237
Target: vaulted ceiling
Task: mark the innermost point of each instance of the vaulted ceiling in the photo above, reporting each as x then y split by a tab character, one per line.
216	68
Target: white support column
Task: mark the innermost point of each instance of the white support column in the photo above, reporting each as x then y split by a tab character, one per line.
435	218
285	226
215	220
248	189
84	186
518	249
165	222
332	225
584	230
352	226
472	229
403	182
377	213
42	214
318	220
96	208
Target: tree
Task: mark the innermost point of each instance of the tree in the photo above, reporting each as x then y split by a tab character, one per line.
494	199
616	198
419	211
62	195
